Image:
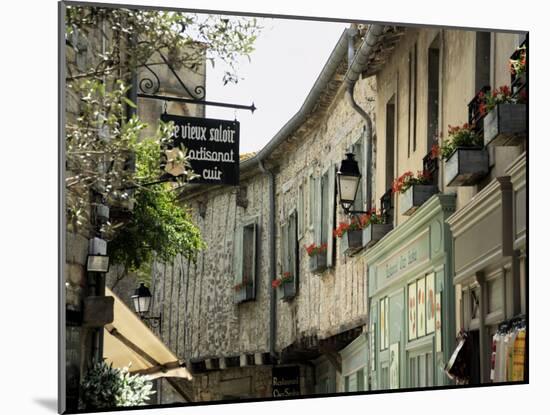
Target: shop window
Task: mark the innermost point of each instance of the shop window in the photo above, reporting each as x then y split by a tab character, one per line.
245	262
354	382
421	307
421	370
384	377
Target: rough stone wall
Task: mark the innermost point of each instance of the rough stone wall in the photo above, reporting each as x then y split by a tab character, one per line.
200	318
325	304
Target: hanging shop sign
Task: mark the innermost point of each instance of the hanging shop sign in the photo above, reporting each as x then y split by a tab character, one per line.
286	381
212	149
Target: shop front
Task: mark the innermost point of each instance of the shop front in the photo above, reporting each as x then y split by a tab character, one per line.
489	271
411	297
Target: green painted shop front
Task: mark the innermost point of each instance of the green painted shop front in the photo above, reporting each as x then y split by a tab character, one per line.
411	331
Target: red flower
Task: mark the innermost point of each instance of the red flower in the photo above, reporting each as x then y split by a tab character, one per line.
275	283
435	151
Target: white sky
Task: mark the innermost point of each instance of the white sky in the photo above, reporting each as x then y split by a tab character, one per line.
288	58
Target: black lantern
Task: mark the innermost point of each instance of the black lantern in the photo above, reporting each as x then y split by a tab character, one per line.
142	303
142	299
348	181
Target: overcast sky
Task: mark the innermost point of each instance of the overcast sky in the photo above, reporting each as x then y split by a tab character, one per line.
288	58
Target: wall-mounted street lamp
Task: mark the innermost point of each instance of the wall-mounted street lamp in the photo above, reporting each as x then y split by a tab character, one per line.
97	263
349	178
142	303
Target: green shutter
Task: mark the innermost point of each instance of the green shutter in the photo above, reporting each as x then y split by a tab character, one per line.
238	259
317	209
331	209
301	216
311	198
293	249
252	249
357	149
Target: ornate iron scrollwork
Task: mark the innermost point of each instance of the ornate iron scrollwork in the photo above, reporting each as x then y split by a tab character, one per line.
149	85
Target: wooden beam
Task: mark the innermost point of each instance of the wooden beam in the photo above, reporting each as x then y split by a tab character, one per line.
183	387
158	368
115	333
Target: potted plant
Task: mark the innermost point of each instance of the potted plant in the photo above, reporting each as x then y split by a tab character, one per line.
244	290
413	191
317	257
505	122
466	161
362	231
518	68
374	228
107	387
351	235
286	283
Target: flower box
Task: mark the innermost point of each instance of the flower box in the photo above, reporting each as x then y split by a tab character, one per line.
245	293
288	290
374	232
352	242
466	166
318	262
414	197
505	125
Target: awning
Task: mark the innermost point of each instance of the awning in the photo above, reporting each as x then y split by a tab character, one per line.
129	342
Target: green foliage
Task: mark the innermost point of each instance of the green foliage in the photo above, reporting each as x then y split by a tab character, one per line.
106	387
159	223
186	38
458	136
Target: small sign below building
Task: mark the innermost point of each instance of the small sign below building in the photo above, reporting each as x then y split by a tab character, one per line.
212	148
286	381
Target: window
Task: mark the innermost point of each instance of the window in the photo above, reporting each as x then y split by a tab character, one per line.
245	261
355	381
413	69
433	92
421	370
289	251
325	211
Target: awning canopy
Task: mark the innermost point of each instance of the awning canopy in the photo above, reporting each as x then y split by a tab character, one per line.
127	341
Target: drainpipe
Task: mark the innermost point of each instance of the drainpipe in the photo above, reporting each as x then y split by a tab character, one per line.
271	267
357	63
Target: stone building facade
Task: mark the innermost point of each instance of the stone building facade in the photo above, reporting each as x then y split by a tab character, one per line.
341	321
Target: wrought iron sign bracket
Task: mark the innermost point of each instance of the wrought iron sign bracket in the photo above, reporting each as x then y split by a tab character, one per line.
250	108
150	86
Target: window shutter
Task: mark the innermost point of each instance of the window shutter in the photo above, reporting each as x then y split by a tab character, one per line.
238	259
357	149
293	250
301	215
252	249
317	209
311	200
331	209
